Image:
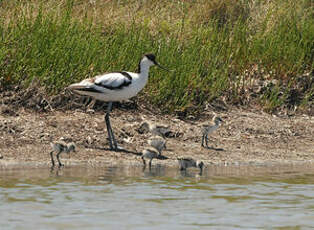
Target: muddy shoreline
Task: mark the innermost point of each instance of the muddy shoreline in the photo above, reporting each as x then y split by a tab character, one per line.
246	137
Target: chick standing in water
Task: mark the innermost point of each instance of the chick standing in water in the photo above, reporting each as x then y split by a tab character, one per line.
158	144
60	147
149	153
185	163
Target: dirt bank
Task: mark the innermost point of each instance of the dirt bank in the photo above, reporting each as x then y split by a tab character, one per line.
245	137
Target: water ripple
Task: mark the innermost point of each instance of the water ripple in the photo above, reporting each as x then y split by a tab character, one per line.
128	198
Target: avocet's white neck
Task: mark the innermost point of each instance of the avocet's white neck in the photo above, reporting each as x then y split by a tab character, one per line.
144	70
144	65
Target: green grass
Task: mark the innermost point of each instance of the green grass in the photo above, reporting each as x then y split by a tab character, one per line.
210	48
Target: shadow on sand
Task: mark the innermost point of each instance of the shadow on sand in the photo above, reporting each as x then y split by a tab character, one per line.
216	149
119	150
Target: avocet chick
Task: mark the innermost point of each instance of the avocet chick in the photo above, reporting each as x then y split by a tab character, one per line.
60	147
157	142
149	153
185	163
210	128
156	129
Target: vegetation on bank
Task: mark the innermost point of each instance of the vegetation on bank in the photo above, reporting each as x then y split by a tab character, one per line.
234	51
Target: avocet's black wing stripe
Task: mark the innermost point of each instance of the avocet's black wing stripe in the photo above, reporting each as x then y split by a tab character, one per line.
127	75
114	83
90	89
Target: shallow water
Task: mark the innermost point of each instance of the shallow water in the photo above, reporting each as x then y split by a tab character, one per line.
242	197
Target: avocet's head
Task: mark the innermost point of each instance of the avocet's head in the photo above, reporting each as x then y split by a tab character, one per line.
217	120
71	147
200	164
150	60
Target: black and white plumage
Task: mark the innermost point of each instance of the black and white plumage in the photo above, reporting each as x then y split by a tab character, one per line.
117	86
210	128
60	147
158	144
185	163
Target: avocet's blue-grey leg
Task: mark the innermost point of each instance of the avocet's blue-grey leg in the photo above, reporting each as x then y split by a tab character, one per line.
150	163
144	163
112	134
203	137
108	130
52	160
107	120
58	158
206	140
201	172
112	140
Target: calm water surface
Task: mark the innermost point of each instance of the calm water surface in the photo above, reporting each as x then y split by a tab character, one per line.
129	198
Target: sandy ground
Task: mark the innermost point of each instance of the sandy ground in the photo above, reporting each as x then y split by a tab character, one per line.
245	137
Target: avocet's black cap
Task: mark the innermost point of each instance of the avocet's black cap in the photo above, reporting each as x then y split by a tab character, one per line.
151	57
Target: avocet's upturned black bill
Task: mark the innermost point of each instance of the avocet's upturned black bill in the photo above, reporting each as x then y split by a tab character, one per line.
153	59
116	86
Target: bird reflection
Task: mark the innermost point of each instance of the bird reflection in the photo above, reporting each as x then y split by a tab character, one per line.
157	170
